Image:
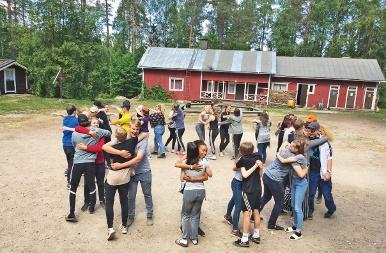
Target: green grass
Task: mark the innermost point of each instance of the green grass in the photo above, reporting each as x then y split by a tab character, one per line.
33	104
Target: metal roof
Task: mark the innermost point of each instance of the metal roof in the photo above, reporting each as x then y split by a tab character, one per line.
212	60
329	68
4	62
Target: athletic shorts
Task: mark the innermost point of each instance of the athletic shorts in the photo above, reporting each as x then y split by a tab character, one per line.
250	201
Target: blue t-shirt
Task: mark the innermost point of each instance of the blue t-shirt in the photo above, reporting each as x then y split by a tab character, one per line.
144	165
68	121
277	171
179	119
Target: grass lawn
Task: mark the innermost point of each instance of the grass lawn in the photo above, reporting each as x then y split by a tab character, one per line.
33	104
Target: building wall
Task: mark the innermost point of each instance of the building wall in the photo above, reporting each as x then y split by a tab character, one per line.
322	90
20	75
2	90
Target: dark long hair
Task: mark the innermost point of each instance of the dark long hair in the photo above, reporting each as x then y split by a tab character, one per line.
192	153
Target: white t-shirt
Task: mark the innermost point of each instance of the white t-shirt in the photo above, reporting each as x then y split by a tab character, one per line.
193	173
287	131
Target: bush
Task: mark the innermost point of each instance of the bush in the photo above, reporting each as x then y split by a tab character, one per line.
156	93
382	96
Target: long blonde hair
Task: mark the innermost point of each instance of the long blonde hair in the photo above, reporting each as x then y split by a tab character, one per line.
325	132
161	108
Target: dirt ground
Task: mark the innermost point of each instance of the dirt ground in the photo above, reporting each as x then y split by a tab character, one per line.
34	199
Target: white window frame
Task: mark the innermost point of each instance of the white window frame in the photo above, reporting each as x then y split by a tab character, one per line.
14	80
370	89
329	92
355	99
313	88
279	83
234	85
174	79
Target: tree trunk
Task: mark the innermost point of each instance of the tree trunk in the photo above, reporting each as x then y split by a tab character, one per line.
107	23
9	10
133	26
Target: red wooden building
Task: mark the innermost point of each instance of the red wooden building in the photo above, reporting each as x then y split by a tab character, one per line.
195	74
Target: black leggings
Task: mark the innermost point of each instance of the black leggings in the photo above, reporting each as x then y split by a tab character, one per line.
89	174
224	137
123	191
212	137
236	144
172	137
180	133
69	152
100	177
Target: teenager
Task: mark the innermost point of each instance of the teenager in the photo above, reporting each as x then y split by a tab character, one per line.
320	172
180	127
213	132
202	123
280	131
299	185
235	129
193	194
84	162
142	175
119	179
262	135
70	121
157	121
224	134
172	129
124	116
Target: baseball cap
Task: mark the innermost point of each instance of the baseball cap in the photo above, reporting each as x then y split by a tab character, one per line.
313	126
82	119
311	118
94	109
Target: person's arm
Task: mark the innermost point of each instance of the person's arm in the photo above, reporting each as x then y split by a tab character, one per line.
108	147
261	170
200	118
102	132
184	166
324	158
299	171
227	121
64	128
209	171
317	142
197	179
58	114
131	163
96	148
234	166
247	173
291	159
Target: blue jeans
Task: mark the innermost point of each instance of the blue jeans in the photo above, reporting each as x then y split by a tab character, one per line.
200	129
298	191
158	143
236	202
326	188
273	189
262	150
191	212
145	180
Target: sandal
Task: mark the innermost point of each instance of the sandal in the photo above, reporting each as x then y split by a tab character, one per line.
296	236
290	229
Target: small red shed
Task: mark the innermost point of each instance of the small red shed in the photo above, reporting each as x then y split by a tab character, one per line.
195	74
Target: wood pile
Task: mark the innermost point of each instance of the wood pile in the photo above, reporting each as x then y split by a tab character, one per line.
280	98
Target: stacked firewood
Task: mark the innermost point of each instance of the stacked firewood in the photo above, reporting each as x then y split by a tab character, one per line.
278	97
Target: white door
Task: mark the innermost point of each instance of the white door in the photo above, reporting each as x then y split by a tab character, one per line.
9	81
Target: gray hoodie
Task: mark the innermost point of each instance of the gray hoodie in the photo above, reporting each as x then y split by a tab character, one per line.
236	125
81	156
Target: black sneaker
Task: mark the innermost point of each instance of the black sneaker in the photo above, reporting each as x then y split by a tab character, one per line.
276	227
237	233
162	156
310	216
239	243
201	232
228	219
84	207
328	214
91	209
255	240
154	153
71	218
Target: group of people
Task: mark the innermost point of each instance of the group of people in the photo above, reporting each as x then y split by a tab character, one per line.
301	168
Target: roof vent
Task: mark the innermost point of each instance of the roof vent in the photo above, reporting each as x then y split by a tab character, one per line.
203	43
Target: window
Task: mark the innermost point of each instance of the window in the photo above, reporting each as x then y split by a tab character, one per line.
311	88
9	80
231	88
280	86
176	84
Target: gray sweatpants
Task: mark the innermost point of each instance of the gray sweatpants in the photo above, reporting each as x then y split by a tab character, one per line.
191	210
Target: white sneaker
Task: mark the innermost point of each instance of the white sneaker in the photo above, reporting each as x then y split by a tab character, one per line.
212	157
222	154
110	234
123	229
173	151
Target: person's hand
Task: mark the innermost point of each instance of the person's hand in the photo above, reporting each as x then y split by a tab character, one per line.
82	146
125	154
187	178
93	133
197	167
116	166
259	163
326	176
